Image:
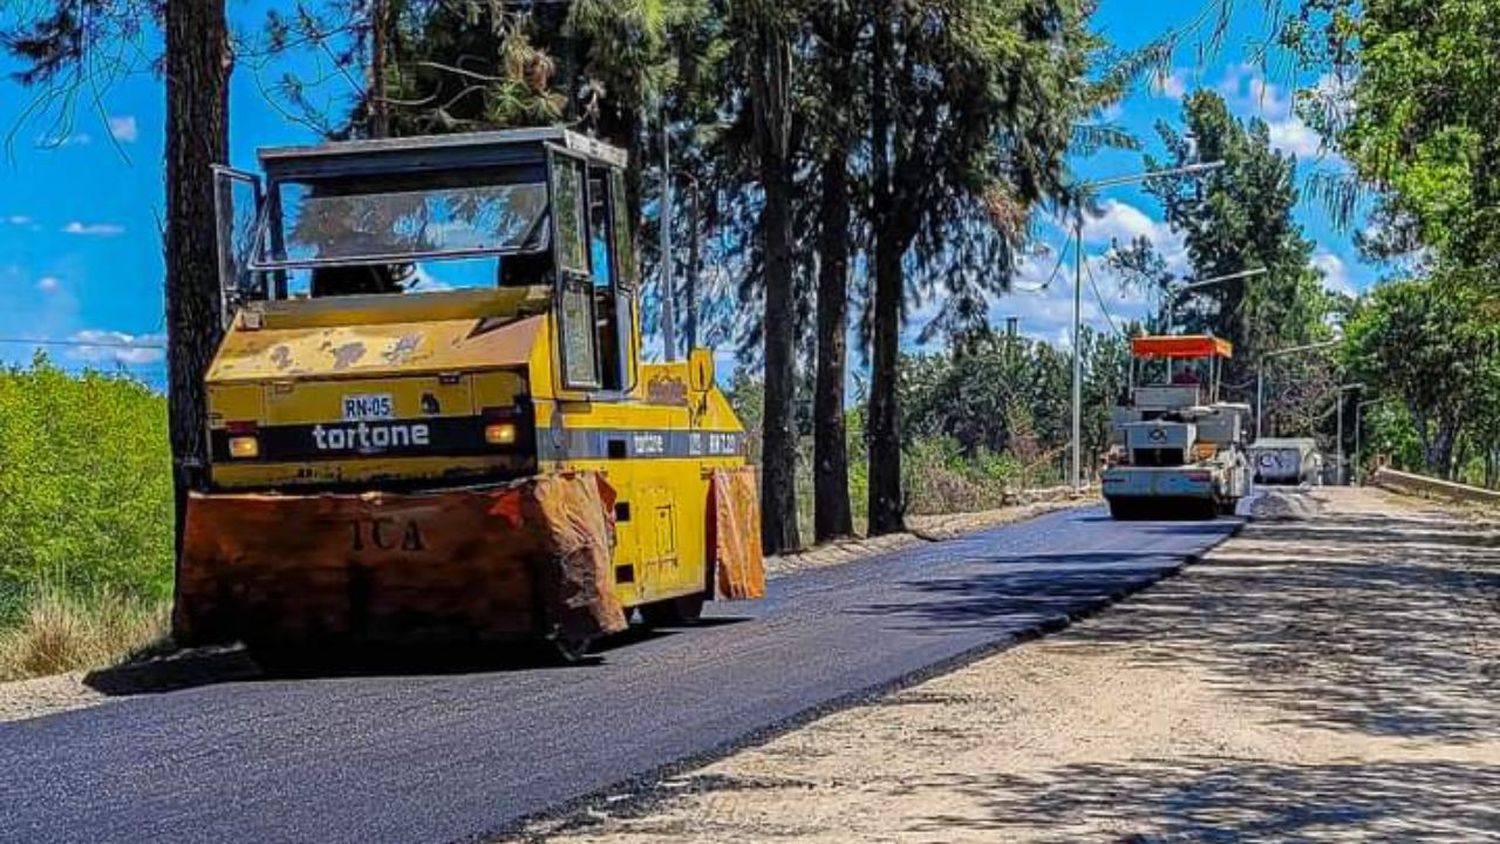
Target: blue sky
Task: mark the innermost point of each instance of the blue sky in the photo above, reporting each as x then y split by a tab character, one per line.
81	203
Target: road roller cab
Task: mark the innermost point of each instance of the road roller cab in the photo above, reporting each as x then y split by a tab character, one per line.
429	417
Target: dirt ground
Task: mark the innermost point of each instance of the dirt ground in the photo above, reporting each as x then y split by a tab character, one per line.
1331	674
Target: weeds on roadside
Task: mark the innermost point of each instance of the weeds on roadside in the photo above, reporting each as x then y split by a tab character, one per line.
60	632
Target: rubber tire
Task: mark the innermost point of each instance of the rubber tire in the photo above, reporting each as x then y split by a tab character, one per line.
569	650
1123	510
673	612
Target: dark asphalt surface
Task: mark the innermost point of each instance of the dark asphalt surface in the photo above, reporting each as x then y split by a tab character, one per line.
442	757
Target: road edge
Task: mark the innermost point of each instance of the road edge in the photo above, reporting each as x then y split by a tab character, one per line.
637	792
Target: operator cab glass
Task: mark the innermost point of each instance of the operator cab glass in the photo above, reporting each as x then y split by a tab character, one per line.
523	208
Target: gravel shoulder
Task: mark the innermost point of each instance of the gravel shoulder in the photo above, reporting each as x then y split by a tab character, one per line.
1330	674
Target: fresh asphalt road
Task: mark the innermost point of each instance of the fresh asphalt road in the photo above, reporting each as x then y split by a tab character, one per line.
443	757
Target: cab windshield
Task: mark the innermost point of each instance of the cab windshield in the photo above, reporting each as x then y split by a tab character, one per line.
395	233
326	223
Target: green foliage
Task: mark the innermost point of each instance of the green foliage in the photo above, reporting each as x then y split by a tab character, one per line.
1419	118
1009	398
85	487
1234	219
1435	344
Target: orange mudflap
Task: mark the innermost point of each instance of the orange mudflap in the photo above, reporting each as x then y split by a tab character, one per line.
734	535
528	559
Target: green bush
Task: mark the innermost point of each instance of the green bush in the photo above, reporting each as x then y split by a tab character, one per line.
85	488
938	477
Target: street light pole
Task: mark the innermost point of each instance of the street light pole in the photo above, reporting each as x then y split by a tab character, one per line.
1078	360
1188	170
1343	389
1260	378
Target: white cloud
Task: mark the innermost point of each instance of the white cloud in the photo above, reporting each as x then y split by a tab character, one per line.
1170	86
118	347
1123	223
75	139
1295	137
1247	91
124	128
93	229
1119	221
48	284
17	220
1045	310
1336	276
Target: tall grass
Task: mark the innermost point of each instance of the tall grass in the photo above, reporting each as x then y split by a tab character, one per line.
85	517
61	632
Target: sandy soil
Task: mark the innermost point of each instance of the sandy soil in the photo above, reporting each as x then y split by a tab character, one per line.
45	695
1331	674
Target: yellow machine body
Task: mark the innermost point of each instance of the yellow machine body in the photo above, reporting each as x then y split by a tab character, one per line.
319	408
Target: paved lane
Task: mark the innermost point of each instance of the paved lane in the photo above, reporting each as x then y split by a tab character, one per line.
449	757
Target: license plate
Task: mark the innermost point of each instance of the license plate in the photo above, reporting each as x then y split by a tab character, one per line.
363	408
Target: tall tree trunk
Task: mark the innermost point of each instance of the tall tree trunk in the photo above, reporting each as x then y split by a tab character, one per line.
884	423
197	65
1440	452
770	89
380	117
883	435
831	513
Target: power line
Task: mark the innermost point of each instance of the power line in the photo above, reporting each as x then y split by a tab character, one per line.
1100	297
1046	285
101	344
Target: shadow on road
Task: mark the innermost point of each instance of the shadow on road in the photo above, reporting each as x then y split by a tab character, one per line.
186	669
1379	625
1216	799
1385	627
1017	590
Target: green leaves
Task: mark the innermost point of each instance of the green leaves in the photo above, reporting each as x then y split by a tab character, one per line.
85	486
1435	346
1235	219
1423	118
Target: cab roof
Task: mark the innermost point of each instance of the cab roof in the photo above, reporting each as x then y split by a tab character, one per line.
1181	347
461	150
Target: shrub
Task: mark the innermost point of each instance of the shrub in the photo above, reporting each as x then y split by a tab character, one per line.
61	632
85	490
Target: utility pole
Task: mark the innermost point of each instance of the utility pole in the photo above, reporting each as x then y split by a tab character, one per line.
1078	361
1342	472
1188	170
668	294
695	267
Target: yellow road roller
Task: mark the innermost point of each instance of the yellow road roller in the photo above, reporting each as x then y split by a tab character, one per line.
429	420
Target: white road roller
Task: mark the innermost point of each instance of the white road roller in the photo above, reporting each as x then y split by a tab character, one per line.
1178	452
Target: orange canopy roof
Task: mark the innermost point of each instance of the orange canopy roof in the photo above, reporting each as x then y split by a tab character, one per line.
1192	346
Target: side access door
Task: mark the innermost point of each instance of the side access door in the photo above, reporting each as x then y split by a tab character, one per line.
238	201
